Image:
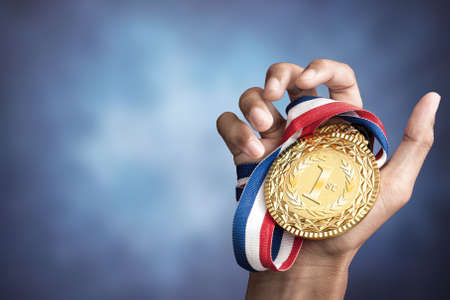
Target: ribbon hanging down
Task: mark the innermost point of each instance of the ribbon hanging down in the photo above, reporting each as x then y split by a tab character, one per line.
259	243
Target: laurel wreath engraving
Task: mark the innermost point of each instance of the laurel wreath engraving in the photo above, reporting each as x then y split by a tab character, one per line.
295	200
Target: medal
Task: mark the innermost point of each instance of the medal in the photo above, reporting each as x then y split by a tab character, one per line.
323	185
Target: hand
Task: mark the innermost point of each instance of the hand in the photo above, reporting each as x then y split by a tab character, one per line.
321	267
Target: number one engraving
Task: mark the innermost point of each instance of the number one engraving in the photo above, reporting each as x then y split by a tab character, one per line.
325	173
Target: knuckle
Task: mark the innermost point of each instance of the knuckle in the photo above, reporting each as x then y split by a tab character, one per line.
321	62
348	74
249	92
280	66
222	119
423	141
402	190
276	66
246	96
348	70
338	66
400	193
428	140
404	195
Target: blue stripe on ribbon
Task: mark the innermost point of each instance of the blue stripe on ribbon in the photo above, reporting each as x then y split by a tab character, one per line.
372	127
245	206
299	100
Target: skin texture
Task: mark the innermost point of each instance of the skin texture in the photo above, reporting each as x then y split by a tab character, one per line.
321	269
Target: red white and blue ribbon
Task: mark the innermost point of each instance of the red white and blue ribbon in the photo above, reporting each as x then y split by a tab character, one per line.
259	243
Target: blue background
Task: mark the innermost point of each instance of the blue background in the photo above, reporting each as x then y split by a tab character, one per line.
115	184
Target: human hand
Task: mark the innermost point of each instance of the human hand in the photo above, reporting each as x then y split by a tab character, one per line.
321	267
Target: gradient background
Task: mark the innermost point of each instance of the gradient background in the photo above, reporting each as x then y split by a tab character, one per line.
115	183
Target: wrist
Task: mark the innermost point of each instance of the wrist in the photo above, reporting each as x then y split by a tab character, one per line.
311	277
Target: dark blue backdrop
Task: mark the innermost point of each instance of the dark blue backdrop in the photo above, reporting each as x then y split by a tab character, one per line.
115	184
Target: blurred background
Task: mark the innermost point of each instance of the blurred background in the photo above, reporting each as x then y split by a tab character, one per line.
115	184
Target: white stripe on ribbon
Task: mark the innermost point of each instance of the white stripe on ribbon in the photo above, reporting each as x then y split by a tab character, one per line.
382	160
285	248
305	106
291	140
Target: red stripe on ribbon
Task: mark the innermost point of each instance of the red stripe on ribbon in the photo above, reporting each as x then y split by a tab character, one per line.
371	117
265	242
322	113
379	154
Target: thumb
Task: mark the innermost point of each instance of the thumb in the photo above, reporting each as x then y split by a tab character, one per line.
402	170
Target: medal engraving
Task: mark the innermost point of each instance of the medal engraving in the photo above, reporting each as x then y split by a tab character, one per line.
325	173
321	186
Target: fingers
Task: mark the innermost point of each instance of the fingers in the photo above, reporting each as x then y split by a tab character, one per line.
298	82
239	138
281	77
264	118
261	114
338	77
400	174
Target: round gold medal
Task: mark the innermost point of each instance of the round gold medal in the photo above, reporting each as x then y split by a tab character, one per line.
321	186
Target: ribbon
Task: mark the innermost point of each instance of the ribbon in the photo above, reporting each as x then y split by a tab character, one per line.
259	243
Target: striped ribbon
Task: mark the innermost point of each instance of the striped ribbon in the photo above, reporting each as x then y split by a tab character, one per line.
259	243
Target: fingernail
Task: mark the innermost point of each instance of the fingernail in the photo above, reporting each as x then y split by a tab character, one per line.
261	120
308	74
255	148
436	96
437	99
273	84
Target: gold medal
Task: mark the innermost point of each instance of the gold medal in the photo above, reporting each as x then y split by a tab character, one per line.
323	185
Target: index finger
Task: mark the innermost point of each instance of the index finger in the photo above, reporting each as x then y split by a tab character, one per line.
338	77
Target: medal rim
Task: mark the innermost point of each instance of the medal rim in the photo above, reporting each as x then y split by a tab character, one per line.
364	209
